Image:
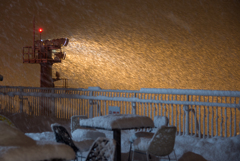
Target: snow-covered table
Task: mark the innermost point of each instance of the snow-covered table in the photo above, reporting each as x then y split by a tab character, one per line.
116	123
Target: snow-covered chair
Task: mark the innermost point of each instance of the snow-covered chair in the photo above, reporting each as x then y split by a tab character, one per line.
62	136
161	144
102	149
81	133
159	121
75	121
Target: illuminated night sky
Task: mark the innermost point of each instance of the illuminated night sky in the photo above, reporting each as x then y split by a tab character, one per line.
130	44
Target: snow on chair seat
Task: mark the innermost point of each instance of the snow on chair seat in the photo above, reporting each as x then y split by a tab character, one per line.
81	133
159	121
86	134
140	134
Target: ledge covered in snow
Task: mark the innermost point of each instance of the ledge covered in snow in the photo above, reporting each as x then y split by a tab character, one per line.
16	146
118	121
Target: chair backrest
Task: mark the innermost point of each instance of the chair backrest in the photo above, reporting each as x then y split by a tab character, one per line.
75	121
102	149
160	121
62	136
163	141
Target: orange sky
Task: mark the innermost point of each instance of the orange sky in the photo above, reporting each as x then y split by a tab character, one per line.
184	44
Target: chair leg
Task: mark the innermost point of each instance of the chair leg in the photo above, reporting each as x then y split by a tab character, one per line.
132	155
147	155
130	152
175	154
168	158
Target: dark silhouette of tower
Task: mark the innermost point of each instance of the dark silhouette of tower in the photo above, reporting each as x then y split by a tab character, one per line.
45	53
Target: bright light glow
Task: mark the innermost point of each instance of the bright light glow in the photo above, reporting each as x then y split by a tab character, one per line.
40	30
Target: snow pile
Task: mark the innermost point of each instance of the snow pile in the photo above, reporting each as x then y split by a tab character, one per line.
118	121
15	145
39	152
86	134
214	149
44	136
141	135
11	136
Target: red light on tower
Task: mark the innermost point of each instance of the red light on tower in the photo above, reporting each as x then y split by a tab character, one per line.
40	31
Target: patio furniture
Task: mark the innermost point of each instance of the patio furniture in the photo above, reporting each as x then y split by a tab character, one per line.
62	136
116	123
159	121
16	146
82	133
102	149
75	121
161	144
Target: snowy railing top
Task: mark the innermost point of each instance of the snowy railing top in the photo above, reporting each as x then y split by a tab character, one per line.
39	92
142	90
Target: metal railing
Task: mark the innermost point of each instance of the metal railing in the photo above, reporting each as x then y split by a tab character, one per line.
203	113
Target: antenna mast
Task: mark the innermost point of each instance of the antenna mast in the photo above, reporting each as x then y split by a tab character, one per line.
33	36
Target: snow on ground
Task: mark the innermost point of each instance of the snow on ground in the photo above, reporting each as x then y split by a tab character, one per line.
212	149
187	147
217	148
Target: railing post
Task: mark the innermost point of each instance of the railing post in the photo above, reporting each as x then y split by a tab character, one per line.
53	104
134	108
91	106
134	105
21	100
186	110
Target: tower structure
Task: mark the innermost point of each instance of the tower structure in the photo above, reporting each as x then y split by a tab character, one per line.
45	53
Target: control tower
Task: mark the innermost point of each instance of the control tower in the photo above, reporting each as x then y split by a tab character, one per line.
45	53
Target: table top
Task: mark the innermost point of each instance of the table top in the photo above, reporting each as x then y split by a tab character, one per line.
118	121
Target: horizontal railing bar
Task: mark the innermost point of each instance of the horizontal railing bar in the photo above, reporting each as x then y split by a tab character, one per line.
143	90
186	109
41	88
190	92
131	99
